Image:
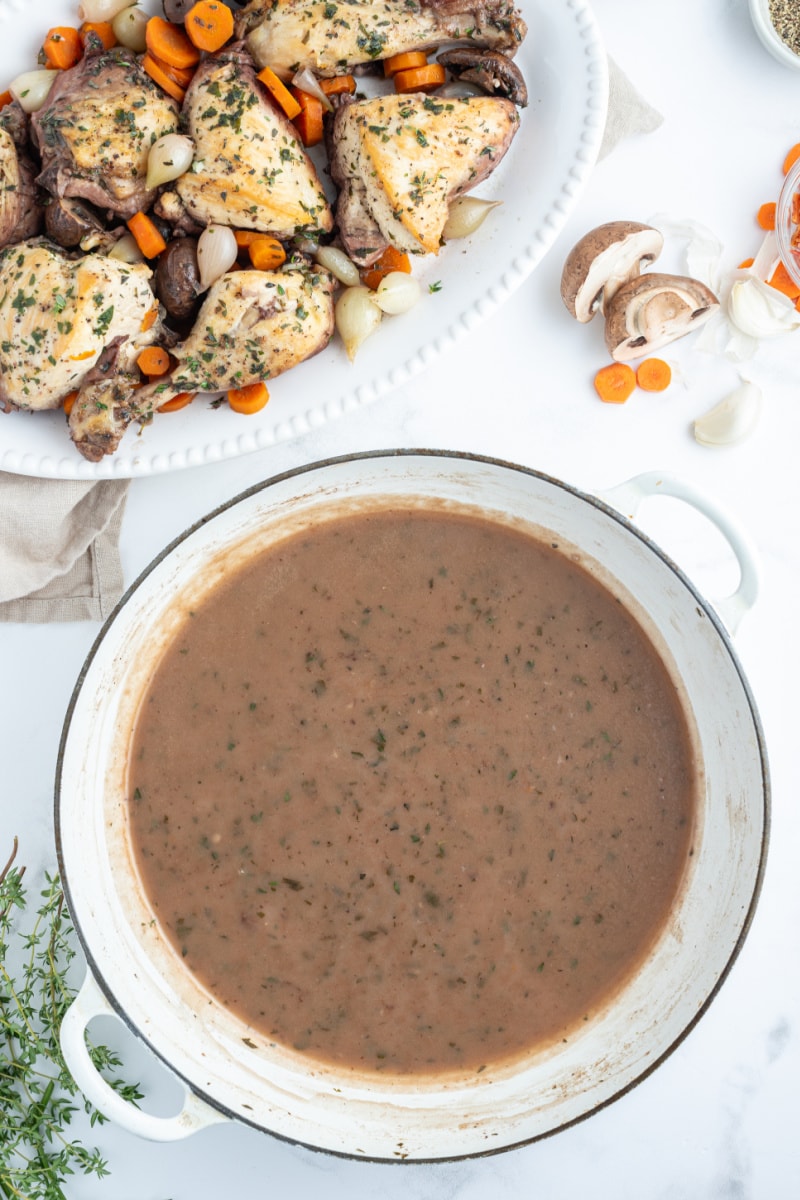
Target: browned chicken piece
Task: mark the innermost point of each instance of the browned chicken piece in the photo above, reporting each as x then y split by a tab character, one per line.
21	215
331	36
95	131
400	160
250	170
252	326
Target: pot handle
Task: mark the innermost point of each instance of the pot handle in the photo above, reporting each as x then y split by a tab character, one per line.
628	496
194	1115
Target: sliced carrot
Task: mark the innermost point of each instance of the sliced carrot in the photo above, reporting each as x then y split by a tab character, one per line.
97	35
308	121
766	215
266	253
245	236
405	61
796	208
248	399
177	402
68	403
163	77
745	263
653	375
149	319
5	98
392	259
279	93
615	383
782	281
62	47
153	360
148	238
791	158
420	79
169	43
209	25
338	85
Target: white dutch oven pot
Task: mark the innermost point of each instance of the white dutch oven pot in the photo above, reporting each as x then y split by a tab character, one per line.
226	1068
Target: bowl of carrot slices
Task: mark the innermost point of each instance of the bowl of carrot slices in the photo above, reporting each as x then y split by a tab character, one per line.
787	216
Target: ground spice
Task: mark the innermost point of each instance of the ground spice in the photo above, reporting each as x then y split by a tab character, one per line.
785	16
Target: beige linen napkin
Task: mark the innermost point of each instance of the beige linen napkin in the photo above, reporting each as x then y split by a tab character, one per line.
59	556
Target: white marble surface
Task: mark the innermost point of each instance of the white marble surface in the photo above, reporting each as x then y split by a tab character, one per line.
718	1120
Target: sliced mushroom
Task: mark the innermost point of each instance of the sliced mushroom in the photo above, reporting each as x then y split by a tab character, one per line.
602	261
653	310
492	71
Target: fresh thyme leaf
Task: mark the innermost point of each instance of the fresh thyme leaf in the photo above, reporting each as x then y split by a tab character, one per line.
38	1097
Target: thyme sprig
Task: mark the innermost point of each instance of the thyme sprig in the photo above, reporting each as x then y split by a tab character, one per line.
38	1096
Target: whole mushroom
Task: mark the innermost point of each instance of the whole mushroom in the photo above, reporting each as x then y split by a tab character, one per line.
603	260
654	309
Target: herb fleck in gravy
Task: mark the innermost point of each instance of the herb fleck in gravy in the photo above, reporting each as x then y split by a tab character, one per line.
411	791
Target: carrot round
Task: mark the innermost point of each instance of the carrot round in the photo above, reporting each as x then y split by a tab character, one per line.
97	35
153	360
420	79
766	215
5	98
653	375
391	260
615	383
68	403
791	158
162	75
169	43
308	121
209	25
177	402
782	281
148	238
62	47
248	399
404	61
266	253
338	85
279	93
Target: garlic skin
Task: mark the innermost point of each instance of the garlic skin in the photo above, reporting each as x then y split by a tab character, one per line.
170	157
216	253
759	310
357	316
732	420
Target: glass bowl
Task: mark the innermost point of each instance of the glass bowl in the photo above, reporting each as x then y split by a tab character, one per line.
787	222
764	27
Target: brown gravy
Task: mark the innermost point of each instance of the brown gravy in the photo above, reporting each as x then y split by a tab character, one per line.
412	792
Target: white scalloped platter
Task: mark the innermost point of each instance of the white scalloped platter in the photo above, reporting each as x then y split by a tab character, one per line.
538	182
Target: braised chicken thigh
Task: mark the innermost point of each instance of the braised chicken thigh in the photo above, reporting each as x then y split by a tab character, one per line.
252	326
96	128
250	168
399	161
330	36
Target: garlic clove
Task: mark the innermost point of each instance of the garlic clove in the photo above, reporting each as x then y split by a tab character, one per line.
465	215
216	253
357	316
759	310
31	89
170	157
397	292
339	265
732	420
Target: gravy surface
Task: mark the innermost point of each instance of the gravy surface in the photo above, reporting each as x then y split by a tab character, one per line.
411	792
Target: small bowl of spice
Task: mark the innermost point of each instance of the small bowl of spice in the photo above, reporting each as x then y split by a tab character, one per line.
777	23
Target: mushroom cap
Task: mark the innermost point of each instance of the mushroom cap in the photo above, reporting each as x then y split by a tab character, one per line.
654	309
602	261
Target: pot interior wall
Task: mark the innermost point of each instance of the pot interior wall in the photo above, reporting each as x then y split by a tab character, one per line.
389	1118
